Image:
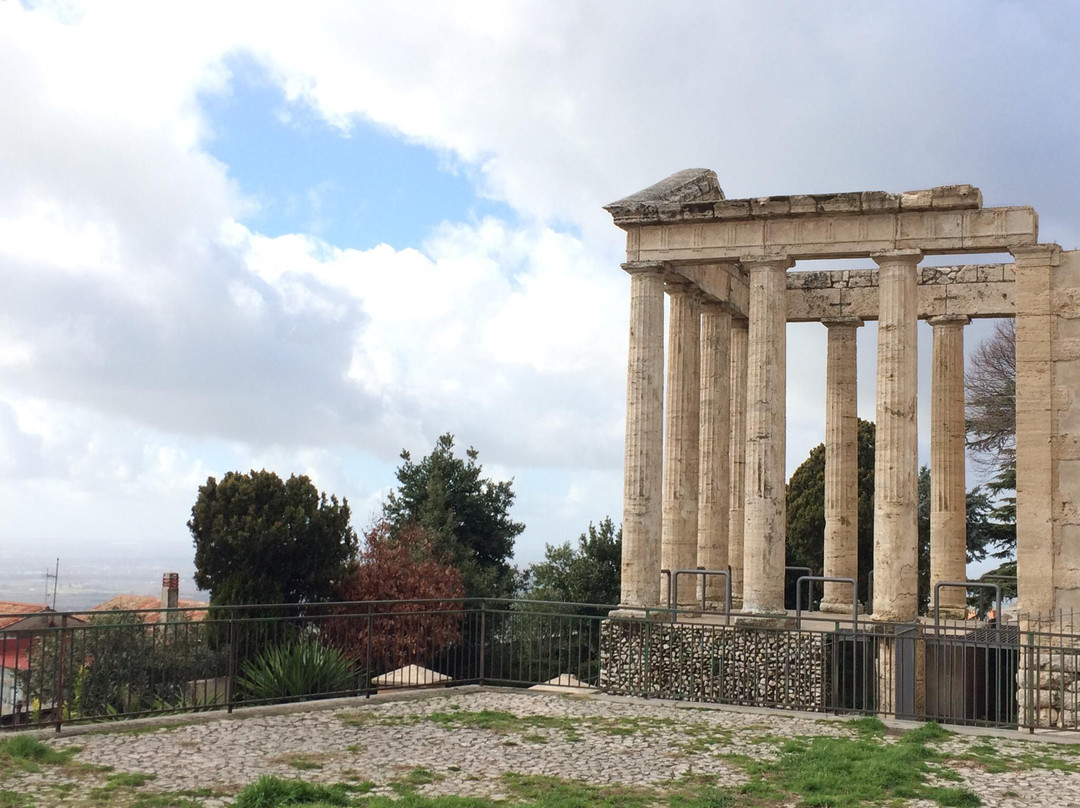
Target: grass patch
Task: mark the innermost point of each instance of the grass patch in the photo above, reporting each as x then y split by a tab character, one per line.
850	772
125	781
503	723
272	792
24	753
128	780
304	762
9	799
868	726
930	732
1018	756
554	792
420	777
164	799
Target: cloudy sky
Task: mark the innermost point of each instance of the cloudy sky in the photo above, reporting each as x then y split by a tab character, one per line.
306	236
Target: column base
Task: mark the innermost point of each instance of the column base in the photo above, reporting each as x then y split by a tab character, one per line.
838	607
952	612
634	612
889	616
784	621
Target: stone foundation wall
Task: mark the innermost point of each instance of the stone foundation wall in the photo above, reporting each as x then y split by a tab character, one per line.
1053	679
727	664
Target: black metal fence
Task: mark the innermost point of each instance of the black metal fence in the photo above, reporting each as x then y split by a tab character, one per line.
79	667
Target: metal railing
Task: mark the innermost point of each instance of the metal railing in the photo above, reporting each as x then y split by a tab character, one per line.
704	574
965	585
809	579
80	667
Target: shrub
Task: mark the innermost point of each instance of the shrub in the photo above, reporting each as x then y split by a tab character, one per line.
401	567
298	668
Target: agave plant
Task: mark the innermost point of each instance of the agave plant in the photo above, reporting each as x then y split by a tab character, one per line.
296	669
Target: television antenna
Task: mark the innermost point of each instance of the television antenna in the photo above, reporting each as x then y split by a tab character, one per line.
56	580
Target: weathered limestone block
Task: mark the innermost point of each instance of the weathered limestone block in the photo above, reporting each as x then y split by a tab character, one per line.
841	463
715	443
896	557
948	508
736	511
1036	427
644	439
766	423
679	532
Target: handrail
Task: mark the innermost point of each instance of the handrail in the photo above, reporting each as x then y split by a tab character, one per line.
831	579
667	572
704	574
964	585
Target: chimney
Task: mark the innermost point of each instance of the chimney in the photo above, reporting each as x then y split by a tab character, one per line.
170	594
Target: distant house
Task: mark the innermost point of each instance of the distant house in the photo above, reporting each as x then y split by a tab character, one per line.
21	625
142	603
169	600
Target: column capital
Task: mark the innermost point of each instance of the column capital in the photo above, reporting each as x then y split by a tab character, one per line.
677	285
912	257
842	321
767	261
945	320
641	267
713	306
1037	254
740	323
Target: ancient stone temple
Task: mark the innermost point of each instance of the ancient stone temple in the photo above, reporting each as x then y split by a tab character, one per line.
705	425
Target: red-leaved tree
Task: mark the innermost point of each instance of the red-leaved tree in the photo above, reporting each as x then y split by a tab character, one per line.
425	615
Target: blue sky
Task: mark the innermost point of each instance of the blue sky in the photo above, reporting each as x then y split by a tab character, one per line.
241	235
354	188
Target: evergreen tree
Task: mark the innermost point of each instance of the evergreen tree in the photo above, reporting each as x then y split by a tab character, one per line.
261	539
588	573
466	515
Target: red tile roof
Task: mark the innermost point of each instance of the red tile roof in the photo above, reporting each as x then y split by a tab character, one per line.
17	611
141	602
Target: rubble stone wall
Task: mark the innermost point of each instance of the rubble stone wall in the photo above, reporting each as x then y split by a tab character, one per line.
721	664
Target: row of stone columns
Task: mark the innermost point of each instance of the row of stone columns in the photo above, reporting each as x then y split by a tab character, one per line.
714	493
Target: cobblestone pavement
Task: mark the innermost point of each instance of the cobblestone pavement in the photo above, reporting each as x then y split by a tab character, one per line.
441	744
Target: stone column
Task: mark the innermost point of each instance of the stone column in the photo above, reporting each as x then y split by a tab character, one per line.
678	546
766	423
1037	443
644	438
737	500
896	472
948	506
713	502
841	463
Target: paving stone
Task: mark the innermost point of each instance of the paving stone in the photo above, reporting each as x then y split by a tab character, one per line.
227	754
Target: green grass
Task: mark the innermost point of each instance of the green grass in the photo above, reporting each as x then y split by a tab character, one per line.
553	792
995	760
9	799
303	762
272	792
24	753
859	771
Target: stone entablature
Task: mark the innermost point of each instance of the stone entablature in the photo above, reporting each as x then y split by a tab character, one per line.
648	206
980	290
661	225
975	290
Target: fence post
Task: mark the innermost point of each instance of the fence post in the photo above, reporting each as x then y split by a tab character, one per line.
367	664
483	638
230	684
58	709
1030	674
